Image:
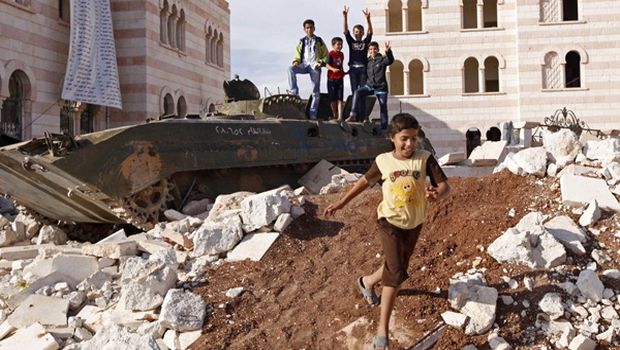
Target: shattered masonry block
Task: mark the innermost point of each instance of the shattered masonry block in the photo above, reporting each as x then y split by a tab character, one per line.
34	337
48	311
452	158
112	250
454	319
264	208
253	246
489	153
590	285
319	176
580	190
564	229
551	304
183	311
217	237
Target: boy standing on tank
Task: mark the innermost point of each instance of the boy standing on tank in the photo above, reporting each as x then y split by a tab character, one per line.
358	49
376	83
310	56
335	78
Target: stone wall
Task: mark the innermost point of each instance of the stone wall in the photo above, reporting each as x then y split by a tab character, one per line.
519	41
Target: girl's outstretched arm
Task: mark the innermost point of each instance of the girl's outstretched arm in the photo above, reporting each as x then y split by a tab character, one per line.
359	186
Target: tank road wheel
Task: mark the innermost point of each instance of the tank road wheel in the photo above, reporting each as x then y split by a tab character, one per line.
143	209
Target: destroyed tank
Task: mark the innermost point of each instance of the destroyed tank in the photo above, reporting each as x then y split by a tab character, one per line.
131	174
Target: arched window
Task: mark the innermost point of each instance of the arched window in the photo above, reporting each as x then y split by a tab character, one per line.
470	74
163	23
211	108
414	14
87	119
180	34
573	70
570	11
213	58
64	10
397	86
171	26
470	14
11	121
181	107
491	74
416	77
552	72
395	16
208	45
220	51
489	11
168	105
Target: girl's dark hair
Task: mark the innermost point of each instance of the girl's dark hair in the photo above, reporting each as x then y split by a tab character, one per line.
402	121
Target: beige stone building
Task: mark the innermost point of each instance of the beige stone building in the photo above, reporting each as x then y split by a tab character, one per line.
475	63
172	55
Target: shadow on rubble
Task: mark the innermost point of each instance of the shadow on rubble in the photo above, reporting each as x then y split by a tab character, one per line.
310	225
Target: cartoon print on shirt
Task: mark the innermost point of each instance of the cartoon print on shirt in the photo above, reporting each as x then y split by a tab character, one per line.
403	190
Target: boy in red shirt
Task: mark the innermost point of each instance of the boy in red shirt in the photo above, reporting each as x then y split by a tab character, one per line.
335	78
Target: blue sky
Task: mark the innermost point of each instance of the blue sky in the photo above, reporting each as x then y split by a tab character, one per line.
264	34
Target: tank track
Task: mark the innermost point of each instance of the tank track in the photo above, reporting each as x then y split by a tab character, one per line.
143	209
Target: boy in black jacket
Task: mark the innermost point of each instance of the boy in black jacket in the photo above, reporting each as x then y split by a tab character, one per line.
376	83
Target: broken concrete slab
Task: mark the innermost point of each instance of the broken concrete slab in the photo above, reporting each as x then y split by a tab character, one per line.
534	247
452	158
282	222
605	150
568	233
319	176
590	285
217	237
454	319
264	208
51	234
469	294
196	207
576	169
34	337
117	337
183	311
551	304
48	311
78	267
253	246
113	250
532	161
226	202
563	146
580	190
177	238
489	153
117	236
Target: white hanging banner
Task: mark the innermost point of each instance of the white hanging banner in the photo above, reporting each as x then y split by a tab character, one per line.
92	74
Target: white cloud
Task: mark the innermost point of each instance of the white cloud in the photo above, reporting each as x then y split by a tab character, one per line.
264	35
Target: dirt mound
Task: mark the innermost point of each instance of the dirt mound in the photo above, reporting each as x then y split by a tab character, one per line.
303	291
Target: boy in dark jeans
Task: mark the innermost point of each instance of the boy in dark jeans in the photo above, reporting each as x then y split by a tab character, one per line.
376	83
335	78
358	49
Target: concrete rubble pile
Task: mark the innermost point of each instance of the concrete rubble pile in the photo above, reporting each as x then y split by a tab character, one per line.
130	292
581	311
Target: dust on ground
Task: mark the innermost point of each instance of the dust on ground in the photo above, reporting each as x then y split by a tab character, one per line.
303	290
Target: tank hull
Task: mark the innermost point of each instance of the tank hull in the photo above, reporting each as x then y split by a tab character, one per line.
88	180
